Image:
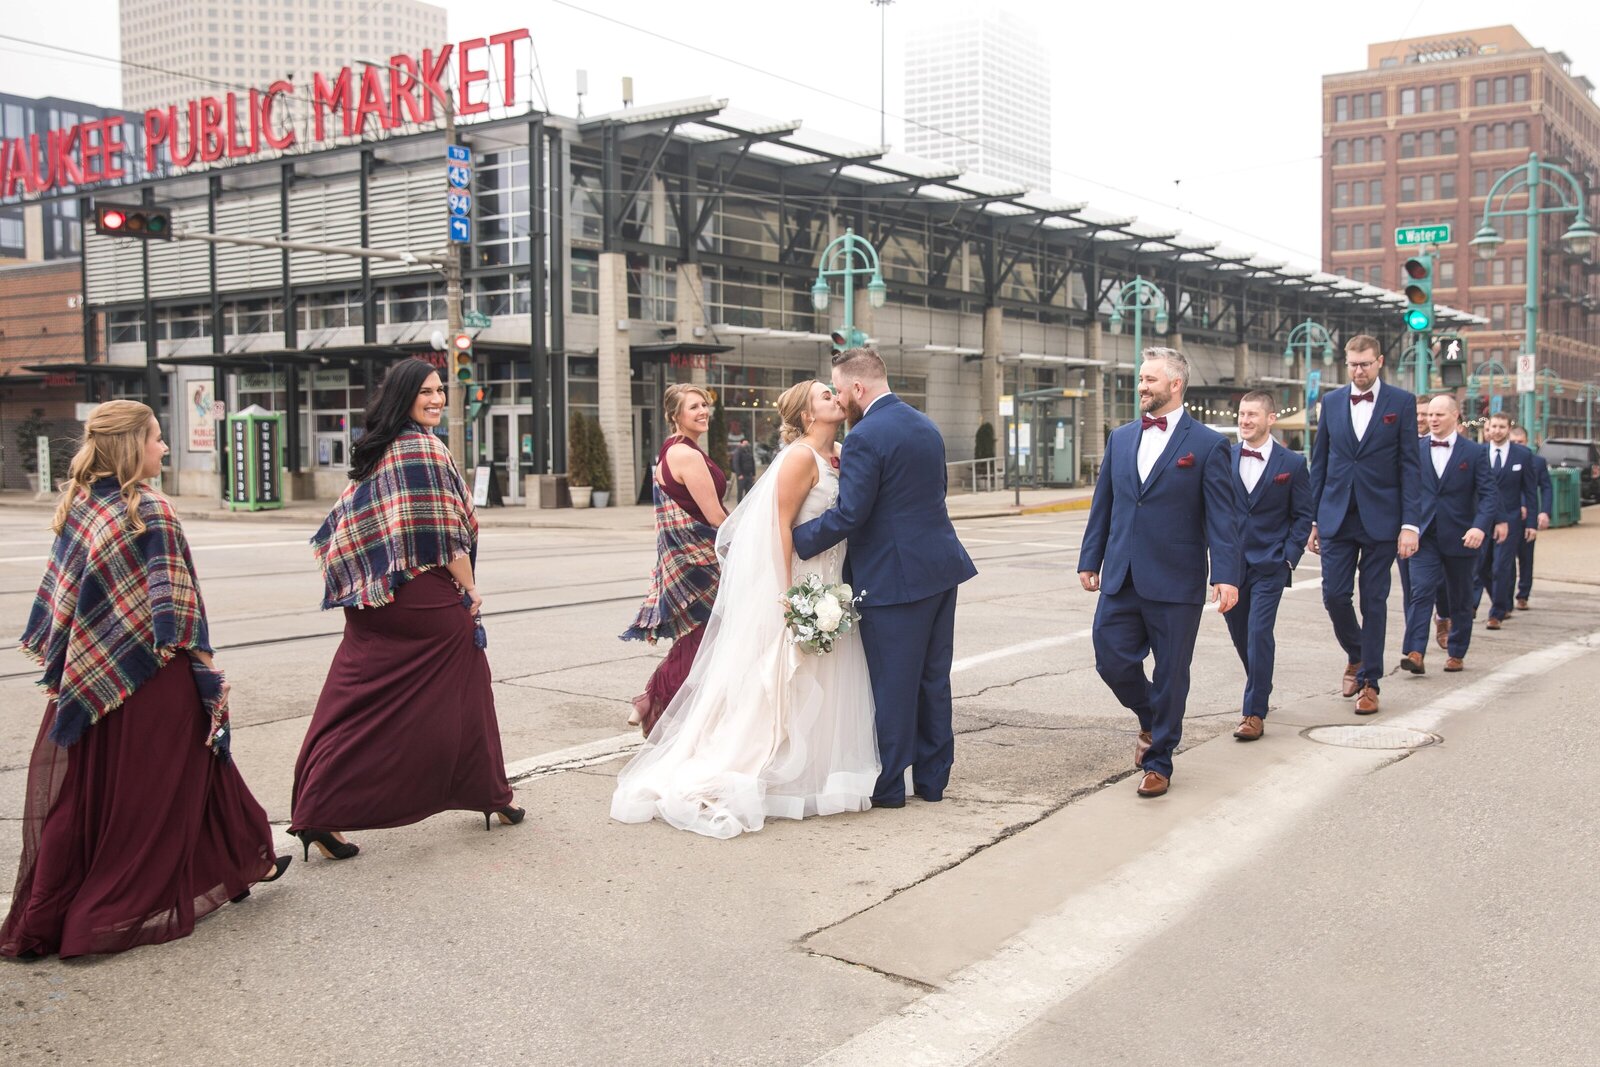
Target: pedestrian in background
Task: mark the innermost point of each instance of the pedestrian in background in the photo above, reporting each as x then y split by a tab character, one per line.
1537	520
744	467
136	822
1365	488
1272	487
405	727
687	489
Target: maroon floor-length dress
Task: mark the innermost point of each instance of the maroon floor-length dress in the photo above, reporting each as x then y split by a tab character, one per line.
135	831
668	676
405	727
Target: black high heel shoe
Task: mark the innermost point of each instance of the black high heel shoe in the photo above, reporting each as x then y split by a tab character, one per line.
278	867
330	846
509	815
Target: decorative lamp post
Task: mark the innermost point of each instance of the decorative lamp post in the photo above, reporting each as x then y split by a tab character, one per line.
1493	367
1310	338
1548	379
846	257
1138	298
1530	181
1587	396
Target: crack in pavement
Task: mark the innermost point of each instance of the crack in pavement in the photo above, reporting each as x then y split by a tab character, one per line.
922	987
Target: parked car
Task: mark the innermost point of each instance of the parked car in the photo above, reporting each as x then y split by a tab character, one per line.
1579	453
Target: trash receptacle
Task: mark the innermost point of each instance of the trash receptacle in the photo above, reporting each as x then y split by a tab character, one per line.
553	491
255	460
1567	508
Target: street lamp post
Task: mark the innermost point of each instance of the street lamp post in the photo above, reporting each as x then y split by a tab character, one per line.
1310	338
845	257
1587	396
1137	298
455	394
1531	180
1548	379
1493	367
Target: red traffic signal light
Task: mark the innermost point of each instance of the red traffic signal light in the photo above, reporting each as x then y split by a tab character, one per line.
461	356
127	220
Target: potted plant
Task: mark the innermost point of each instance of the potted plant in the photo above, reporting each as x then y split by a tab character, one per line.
983	442
28	432
580	476
599	464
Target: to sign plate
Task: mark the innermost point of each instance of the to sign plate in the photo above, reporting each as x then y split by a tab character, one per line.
458	153
1422	235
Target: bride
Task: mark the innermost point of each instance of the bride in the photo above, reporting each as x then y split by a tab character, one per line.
761	729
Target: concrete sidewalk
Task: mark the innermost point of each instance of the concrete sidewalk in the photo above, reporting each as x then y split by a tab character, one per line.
311	513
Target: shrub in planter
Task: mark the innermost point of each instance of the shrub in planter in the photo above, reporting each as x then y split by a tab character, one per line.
580	470
983	443
599	457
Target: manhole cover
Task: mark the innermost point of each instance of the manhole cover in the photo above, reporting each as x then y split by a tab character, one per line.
1370	736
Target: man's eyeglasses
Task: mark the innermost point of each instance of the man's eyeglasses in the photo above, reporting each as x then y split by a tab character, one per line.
1363	365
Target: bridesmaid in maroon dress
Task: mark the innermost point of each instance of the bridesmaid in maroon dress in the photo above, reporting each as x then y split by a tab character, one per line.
136	821
687	490
405	727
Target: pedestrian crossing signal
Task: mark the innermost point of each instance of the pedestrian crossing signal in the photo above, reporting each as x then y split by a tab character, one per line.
129	220
1450	357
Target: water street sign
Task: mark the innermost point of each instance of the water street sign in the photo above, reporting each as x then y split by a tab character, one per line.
460	231
476	319
1422	235
460	203
458	153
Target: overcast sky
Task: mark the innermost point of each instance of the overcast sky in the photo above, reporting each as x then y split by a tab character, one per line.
1202	116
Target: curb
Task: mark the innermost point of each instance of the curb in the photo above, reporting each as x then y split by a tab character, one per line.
1060	505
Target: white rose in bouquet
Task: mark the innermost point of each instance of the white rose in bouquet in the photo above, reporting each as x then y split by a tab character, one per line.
844	593
829	612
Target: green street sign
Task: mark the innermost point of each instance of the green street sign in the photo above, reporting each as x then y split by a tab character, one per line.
476	319
1422	235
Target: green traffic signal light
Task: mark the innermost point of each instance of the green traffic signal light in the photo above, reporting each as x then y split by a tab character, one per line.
1418	320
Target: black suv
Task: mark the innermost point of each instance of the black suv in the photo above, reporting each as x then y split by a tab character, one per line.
1579	453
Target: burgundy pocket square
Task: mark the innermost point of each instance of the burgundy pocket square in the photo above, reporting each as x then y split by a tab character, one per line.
1388	420
1186	460
1280	479
1462	466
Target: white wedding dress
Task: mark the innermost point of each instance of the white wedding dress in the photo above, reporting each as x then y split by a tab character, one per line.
760	729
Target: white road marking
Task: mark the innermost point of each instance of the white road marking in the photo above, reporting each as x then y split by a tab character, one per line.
966	663
990	1002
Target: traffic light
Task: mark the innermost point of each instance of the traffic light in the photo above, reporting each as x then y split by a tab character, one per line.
846	338
461	357
478	398
127	220
1419	293
1450	357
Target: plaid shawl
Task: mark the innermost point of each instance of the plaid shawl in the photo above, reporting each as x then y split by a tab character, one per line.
114	607
683	585
412	513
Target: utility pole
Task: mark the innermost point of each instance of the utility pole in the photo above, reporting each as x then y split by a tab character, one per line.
883	71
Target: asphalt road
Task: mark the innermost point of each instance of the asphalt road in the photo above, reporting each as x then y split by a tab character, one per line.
1314	902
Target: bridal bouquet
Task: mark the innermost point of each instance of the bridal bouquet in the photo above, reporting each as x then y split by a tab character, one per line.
819	614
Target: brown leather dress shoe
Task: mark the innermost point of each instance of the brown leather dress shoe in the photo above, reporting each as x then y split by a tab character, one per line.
1493	623
1153	784
1140	747
1522	605
1412	661
1441	633
1453	664
1250	728
1367	702
1350	683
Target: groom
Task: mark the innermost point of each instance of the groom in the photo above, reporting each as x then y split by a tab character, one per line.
905	561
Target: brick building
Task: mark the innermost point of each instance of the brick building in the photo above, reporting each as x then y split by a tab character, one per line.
1420	136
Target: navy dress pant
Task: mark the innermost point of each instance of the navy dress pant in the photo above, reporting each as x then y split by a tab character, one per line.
1343	554
1127	628
909	648
1432	572
1250	624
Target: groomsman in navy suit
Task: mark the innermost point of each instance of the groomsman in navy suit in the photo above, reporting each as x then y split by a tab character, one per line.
1547	501
1458	511
1273	490
1441	621
1511	465
1365	491
1164	499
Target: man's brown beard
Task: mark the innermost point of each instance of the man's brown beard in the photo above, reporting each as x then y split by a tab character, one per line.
852	410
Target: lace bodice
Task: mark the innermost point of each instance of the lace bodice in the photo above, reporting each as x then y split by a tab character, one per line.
822	496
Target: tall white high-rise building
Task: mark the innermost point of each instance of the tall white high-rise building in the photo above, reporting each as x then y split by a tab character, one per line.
175	50
978	96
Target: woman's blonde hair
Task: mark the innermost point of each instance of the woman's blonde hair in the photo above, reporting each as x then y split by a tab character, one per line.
113	444
792	408
677	395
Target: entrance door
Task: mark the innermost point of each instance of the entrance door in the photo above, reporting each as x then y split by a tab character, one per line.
508	448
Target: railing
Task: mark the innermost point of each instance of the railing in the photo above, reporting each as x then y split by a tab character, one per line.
973	475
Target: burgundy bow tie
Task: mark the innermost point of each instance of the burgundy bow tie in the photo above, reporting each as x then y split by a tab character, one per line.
1440	444
1146	422
1251	454
1356	398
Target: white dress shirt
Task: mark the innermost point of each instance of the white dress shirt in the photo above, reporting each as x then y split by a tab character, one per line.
1153	442
1250	468
1361	414
1441	456
874	403
1499	456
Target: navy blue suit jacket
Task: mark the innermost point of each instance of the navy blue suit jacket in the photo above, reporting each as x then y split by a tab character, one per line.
1157	534
1463	499
1547	489
891	507
1379	472
1517	484
1275	517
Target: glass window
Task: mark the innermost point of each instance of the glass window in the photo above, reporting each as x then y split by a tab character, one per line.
1375	275
1358	151
1341	152
1447	142
1408	146
1341	108
1501	96
1447	274
1480	273
1497	272
1449	96
1480	138
1519	135
1447	185
1408	189
1375	235
1480	183
585	282
1480	92
1500	138
1427	98
1519	271
1358	274
1341	194
1497	316
1358	194
1358	236
1358	106
1341	238
1408	101
1375	105
1375	191
1519	88
1519	317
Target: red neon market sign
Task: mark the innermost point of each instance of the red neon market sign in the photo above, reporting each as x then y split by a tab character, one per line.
358	101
